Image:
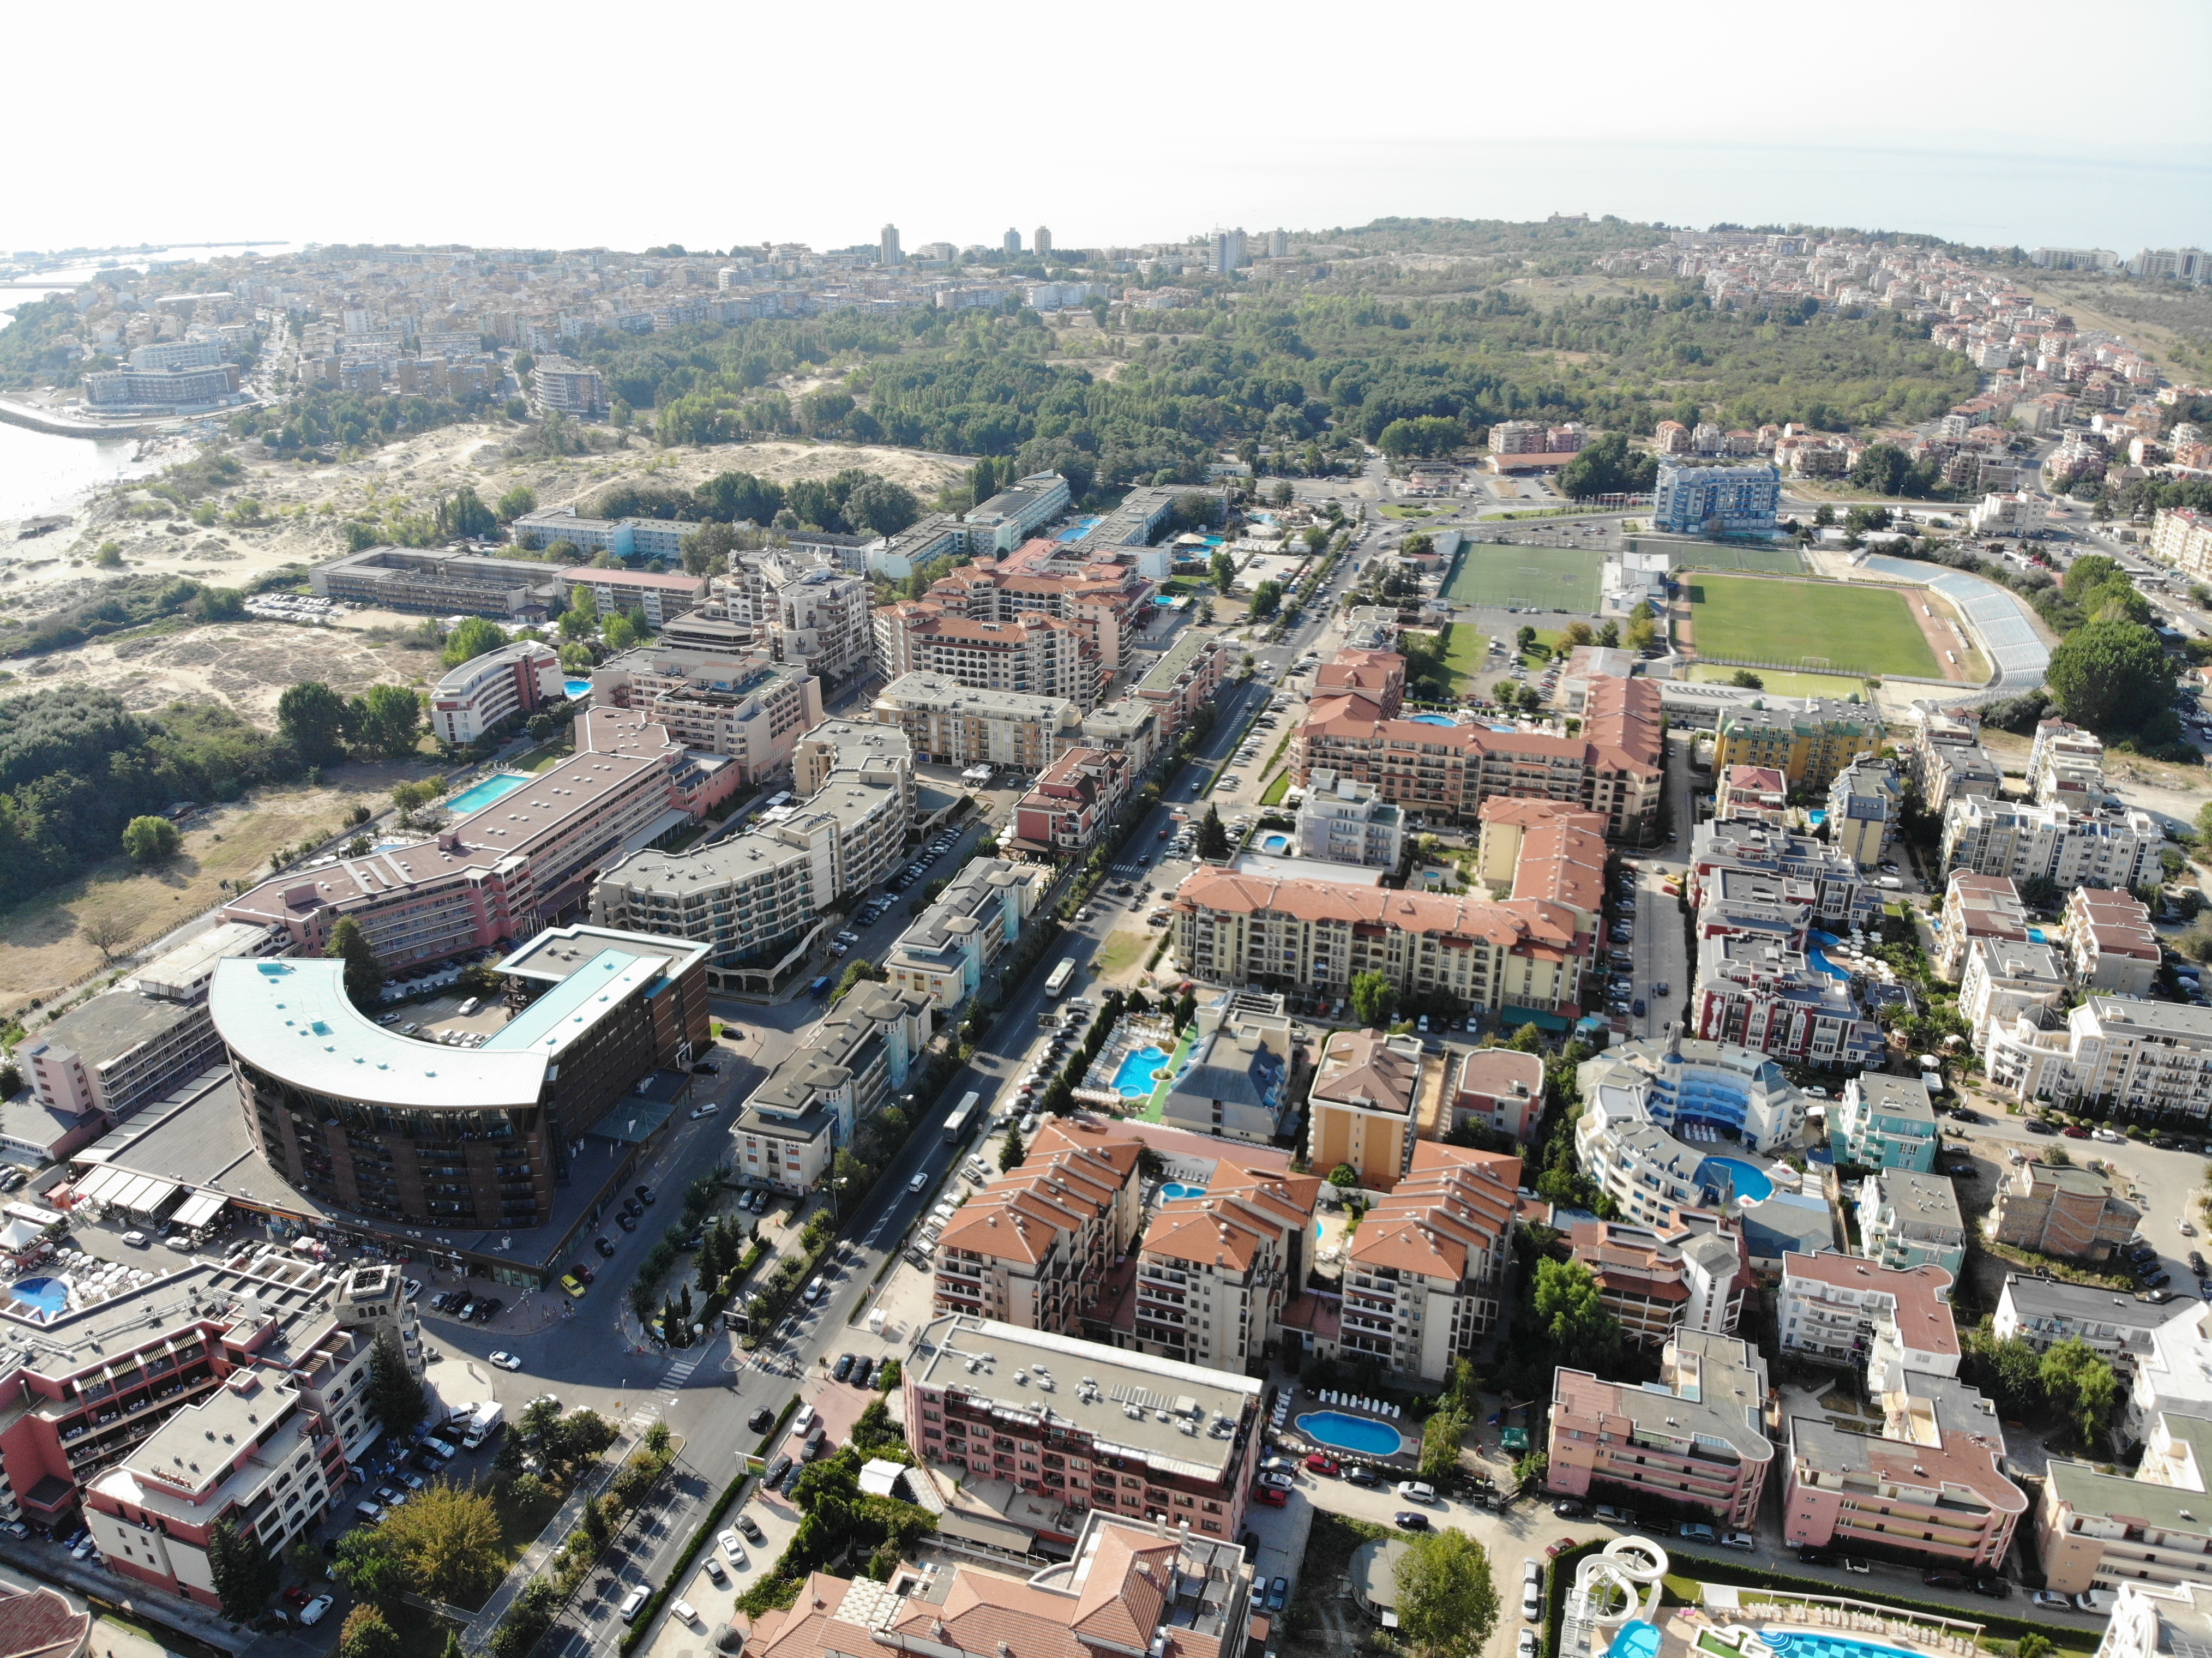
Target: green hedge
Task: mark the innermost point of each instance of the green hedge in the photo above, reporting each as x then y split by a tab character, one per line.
650	1610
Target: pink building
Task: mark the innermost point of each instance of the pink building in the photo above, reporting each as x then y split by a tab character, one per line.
1695	1439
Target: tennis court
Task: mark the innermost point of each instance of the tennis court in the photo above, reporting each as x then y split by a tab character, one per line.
1715	555
1528	578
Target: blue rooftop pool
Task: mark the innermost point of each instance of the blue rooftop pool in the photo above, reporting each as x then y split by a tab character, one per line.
496	786
1175	1188
1816	817
1748	1180
48	1298
1133	1079
575	688
1274	843
1431	720
1360	1434
2035	936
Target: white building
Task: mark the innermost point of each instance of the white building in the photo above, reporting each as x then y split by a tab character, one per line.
2103	846
2140	1057
2008	512
2004	981
804	608
1843	1309
472	699
1342	820
1674	1078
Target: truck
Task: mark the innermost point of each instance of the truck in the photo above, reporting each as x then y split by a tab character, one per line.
1060	976
483	1424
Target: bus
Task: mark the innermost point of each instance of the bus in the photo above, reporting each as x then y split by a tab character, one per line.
962	1117
1060	976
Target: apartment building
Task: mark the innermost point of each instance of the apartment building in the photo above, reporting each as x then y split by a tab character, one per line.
854	745
1780	866
1035	1247
1375	679
1214	1272
1753	991
1660	1281
2135	1057
2182	536
1537	851
744	706
1238	1081
1342	821
854	1061
1362	1111
89	1391
1007	519
805	606
1108	604
2008	512
1653	1179
1908	1219
973	1406
657	539
514	680
1073	798
1810	741
2113	846
1843	1309
2066	766
958	940
1030	655
1884	1122
1669	1079
2044	1311
1182	679
1233	928
2003	982
505	870
107	1056
658	598
169	390
560	385
1501	1087
1693	1439
1425	1273
2109	943
1446	772
2153	1530
1865	803
1978	908
1752	794
440	581
2069	1212
955	724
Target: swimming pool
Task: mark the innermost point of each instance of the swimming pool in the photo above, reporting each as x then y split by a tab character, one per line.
1274	843
1816	815
1822	964
46	1297
1080	528
1749	1183
2035	936
1637	1639
1806	1644
575	688
1133	1080
496	786
1175	1188
1359	1435
1431	720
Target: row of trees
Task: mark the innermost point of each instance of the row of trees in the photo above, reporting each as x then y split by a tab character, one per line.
325	728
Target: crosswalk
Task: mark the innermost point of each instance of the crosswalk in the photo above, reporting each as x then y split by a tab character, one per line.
680	1372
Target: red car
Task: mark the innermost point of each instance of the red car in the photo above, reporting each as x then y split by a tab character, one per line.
1553	1551
2075	1131
1321	1463
1273	1496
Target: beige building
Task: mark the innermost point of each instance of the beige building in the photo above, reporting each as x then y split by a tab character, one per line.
2102	1531
2182	538
2069	1212
955	724
2111	945
1977	907
1424	1273
954	943
1363	1110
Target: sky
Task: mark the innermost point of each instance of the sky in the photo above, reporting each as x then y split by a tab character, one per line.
562	126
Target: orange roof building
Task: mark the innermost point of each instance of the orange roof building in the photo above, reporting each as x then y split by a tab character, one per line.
1424	1271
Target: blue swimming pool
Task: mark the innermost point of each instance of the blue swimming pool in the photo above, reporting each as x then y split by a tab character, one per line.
1816	817
46	1297
1431	720
1637	1639
1360	1434
2035	936
1133	1080
575	688
1808	1643
1274	843
1505	728
499	785
1080	528
1175	1188
1749	1183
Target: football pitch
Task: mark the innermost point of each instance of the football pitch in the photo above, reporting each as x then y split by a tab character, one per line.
1716	556
1528	578
1841	625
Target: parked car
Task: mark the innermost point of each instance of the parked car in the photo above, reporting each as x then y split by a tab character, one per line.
1571	1508
1614	1516
2099	1601
604	1248
746	1523
1360	1474
1273	1496
1558	1546
1738	1540
1851	1563
506	1361
313	1613
1812	1556
1322	1462
1410	1520
1696	1531
1278	1593
2051	1600
730	1545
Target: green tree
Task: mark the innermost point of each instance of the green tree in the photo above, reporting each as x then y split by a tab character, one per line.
475	637
389	719
364	974
1267	598
395	1398
1607	466
581	619
449	1539
1447	1604
882	507
1011	1153
2078	1381
1746	680
366	1564
1586	1335
2110	676
313	718
621	632
464	515
1212	838
706	550
151	840
244	1575
1609	635
516	502
1373	999
1221	570
365	1634
1440	1445
219	605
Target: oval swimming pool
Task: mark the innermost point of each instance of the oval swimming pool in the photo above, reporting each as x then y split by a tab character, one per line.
1175	1188
1362	1435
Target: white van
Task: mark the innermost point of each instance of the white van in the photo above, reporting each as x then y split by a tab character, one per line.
633	1603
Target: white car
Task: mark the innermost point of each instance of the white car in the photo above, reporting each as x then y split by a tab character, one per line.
731	1547
918	1183
706	1110
311	1614
506	1361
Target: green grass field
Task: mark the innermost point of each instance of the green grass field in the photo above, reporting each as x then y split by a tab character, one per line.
1538	577
1834	687
1466	656
1824	624
1711	555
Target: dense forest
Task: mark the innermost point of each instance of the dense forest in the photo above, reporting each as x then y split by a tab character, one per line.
1301	381
40	343
75	767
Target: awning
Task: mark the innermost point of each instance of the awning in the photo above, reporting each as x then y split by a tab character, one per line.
102	1181
200	1208
1518	1016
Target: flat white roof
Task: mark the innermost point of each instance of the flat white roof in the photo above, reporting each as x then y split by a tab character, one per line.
290	1018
